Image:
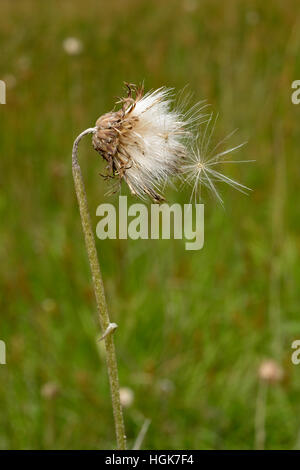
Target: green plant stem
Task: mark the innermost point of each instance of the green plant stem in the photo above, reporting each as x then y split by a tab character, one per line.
260	416
106	326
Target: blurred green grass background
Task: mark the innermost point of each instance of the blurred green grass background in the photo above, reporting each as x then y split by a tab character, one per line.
193	326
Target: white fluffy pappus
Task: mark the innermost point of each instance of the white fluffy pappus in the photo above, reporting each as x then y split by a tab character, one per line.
198	168
146	141
151	139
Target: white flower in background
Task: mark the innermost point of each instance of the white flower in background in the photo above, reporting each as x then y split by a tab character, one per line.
72	46
270	371
146	141
126	397
199	168
50	390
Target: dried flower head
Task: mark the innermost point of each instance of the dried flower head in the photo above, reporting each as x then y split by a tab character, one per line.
270	371
145	142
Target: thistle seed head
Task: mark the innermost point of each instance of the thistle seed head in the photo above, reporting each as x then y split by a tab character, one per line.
148	141
143	142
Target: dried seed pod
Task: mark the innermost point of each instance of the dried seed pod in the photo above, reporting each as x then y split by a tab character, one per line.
144	141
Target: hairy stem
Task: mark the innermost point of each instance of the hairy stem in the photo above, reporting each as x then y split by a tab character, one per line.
111	360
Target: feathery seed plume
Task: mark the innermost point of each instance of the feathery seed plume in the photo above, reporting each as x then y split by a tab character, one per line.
145	141
198	169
